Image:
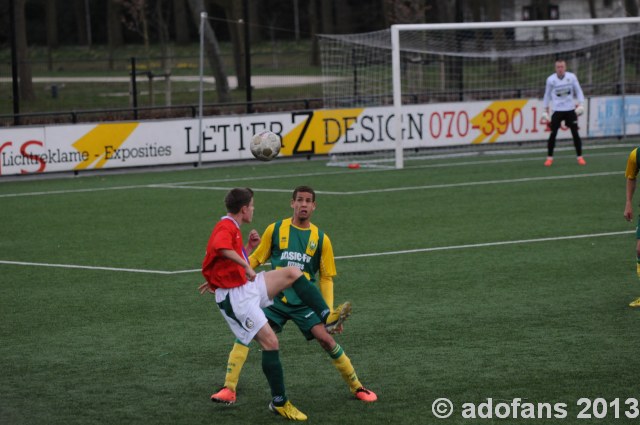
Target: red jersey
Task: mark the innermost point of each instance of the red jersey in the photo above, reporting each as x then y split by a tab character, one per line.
221	272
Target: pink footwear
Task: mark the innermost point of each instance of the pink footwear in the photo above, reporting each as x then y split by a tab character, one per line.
581	161
548	162
225	395
366	395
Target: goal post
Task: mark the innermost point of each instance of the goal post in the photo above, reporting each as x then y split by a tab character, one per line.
417	77
396	48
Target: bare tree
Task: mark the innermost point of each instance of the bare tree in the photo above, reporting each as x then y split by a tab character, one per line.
594	15
212	50
24	66
313	29
180	21
52	30
114	28
631	7
162	29
81	21
51	12
135	19
326	16
404	12
234	11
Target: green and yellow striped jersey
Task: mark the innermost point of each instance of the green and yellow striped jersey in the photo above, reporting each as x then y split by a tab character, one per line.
285	245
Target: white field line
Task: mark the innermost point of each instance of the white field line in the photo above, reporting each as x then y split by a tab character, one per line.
224	188
281	176
405	188
342	257
486	244
360	171
75	266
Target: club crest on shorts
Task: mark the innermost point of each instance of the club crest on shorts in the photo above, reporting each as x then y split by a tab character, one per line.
248	323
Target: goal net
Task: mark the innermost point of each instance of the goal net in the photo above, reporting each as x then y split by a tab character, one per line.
448	66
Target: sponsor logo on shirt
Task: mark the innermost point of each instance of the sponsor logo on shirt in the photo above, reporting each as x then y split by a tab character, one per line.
296	256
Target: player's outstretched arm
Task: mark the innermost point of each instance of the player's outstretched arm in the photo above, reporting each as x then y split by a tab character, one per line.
262	252
233	256
628	208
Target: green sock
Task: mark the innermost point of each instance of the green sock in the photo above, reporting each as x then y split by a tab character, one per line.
310	295
272	369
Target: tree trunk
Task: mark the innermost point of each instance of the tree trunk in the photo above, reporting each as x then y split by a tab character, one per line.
114	23
326	16
256	35
313	29
180	20
234	12
343	22
81	22
594	15
212	50
52	24
114	28
52	31
163	35
24	66
631	7
494	11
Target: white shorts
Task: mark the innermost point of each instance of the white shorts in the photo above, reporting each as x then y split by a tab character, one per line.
242	307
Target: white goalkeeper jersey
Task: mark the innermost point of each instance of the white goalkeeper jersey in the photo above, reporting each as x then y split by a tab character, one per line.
561	92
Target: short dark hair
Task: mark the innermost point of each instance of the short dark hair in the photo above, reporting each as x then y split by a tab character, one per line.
306	189
238	198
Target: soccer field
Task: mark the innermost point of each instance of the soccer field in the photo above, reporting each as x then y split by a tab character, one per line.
472	277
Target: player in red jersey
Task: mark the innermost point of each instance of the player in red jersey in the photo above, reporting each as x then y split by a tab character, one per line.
241	293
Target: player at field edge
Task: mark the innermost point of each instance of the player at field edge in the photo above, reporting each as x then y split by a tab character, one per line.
298	241
241	294
631	173
560	90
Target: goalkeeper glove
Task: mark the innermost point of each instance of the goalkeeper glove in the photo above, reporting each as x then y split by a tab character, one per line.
579	110
545	117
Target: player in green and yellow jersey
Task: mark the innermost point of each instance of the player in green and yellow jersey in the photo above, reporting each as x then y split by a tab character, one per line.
298	242
631	174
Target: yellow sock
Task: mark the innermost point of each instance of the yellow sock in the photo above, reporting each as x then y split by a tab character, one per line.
638	268
343	364
237	357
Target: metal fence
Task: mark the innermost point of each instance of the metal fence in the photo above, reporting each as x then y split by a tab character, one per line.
87	89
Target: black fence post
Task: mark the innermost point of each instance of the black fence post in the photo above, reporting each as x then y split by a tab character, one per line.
14	64
134	89
247	55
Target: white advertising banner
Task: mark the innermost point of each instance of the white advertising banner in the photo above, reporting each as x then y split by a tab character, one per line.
25	150
606	118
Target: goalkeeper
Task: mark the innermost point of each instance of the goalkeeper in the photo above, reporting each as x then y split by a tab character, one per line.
296	241
561	89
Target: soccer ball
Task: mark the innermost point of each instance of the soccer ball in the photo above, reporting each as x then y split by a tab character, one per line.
265	145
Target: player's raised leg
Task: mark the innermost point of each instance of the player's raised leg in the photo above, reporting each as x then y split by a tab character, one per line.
281	279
